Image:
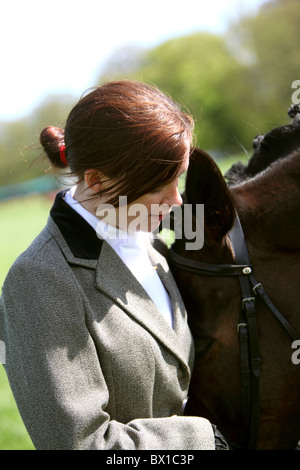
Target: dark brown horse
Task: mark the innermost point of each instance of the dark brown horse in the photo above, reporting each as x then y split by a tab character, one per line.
266	197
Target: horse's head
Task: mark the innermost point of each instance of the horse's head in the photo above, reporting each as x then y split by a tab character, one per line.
206	186
267	199
212	317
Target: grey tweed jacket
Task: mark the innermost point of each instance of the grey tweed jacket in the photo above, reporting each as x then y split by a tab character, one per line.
91	362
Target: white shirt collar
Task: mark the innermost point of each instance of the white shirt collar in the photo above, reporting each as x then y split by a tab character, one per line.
113	235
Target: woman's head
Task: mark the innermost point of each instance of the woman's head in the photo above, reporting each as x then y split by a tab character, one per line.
128	131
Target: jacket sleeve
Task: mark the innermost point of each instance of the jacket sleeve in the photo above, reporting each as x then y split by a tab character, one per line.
56	377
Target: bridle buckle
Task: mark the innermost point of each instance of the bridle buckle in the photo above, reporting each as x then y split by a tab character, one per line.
248	299
241	325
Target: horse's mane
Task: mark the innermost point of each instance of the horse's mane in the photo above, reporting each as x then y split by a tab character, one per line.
276	144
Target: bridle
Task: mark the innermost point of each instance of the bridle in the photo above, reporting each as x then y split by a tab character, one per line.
250	360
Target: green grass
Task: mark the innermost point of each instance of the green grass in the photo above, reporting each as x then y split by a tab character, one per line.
13	434
20	221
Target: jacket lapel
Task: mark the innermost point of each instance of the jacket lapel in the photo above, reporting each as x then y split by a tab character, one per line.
179	311
178	308
81	246
115	280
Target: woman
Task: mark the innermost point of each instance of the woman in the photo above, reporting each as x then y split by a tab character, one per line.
98	351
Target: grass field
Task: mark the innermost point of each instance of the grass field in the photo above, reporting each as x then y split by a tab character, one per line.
20	221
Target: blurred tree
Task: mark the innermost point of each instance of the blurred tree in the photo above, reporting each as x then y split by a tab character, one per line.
122	62
19	144
267	44
13	137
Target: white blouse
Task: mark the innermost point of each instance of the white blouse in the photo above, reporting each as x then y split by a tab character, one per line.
132	250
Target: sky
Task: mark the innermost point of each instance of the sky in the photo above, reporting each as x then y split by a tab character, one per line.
59	46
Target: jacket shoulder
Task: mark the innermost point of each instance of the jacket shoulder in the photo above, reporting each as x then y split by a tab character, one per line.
42	257
36	250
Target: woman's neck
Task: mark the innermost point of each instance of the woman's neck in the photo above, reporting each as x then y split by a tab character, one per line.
86	198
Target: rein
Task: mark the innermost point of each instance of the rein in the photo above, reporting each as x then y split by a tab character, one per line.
250	360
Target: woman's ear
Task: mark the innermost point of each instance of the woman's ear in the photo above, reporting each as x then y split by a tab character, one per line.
94	180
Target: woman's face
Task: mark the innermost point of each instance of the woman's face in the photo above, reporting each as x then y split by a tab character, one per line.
146	213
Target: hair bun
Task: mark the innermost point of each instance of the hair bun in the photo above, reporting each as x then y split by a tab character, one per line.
52	138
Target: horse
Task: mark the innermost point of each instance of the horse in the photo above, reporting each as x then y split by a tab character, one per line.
241	292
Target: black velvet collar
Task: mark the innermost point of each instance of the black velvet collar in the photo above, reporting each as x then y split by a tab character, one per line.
78	233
